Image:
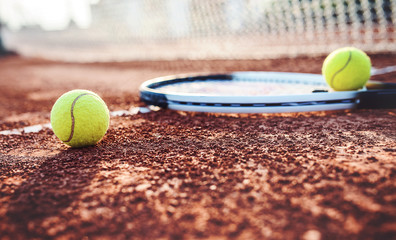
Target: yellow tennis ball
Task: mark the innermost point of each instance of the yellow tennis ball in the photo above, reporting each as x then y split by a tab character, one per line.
347	69
80	118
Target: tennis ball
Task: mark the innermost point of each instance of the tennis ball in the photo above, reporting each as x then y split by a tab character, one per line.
346	69
80	118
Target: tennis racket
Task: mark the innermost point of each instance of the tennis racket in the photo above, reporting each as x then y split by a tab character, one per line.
261	92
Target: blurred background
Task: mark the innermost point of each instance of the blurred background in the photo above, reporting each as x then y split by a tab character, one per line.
124	30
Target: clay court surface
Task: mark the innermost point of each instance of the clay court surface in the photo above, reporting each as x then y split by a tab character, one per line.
177	175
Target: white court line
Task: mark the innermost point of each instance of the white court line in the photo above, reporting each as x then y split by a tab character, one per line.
384	70
39	127
29	129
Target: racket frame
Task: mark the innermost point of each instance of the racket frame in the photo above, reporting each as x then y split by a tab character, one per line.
317	101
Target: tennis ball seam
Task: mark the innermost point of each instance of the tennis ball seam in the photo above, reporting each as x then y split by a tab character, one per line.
341	69
72	115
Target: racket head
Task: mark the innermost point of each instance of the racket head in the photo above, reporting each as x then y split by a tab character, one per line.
246	92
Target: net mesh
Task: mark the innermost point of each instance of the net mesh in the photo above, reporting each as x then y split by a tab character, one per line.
122	30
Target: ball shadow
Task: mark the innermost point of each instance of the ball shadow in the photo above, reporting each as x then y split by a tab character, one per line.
51	188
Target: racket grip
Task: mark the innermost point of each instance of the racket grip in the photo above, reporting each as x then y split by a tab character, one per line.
377	99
